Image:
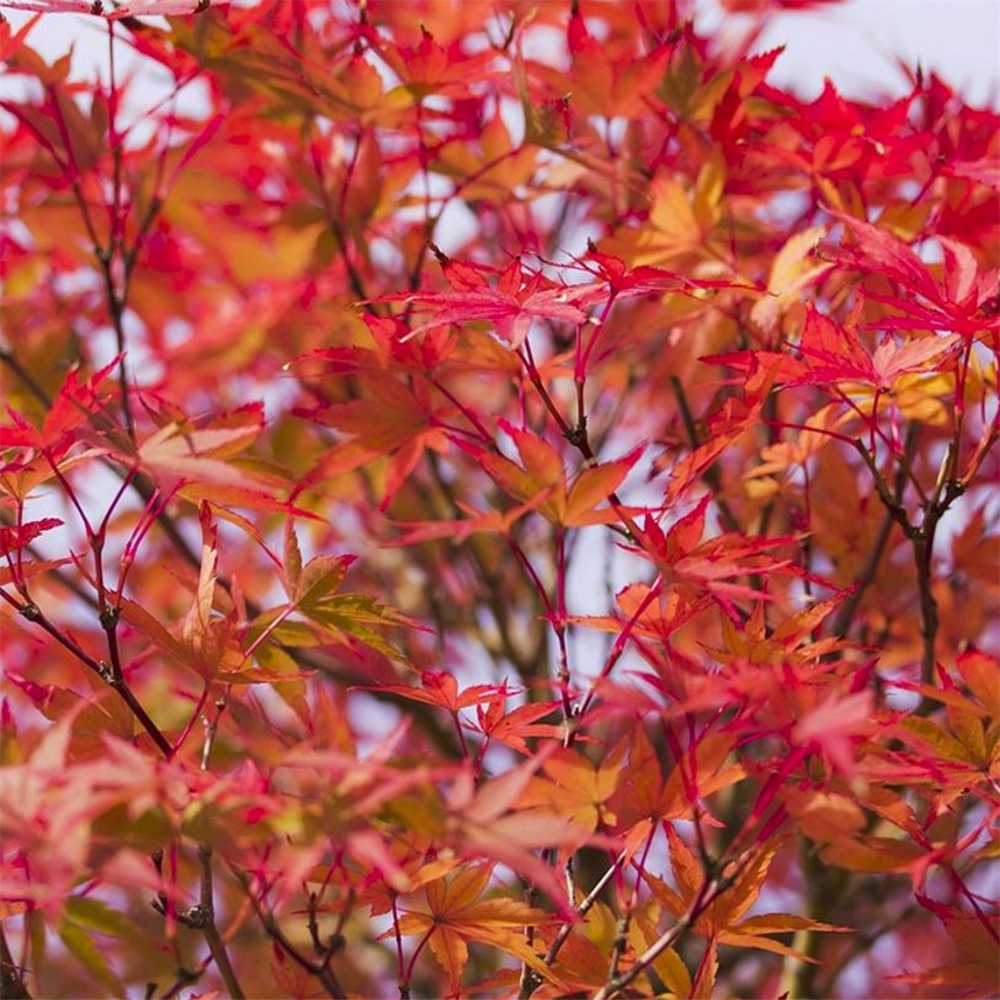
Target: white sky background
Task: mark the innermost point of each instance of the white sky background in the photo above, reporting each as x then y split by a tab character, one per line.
857	44
854	43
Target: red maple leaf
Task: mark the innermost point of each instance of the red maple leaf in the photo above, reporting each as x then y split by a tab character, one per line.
962	299
518	297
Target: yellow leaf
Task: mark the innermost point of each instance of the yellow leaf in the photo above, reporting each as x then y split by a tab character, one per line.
930	734
576	789
592	487
676	227
823	816
872	854
668	965
981	673
792	271
450	949
456	915
708	191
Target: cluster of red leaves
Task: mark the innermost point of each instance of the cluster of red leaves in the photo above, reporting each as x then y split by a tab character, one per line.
496	500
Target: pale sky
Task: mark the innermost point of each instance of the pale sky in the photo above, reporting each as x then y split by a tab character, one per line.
857	44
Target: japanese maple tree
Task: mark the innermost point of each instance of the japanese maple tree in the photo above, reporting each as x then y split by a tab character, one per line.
498	499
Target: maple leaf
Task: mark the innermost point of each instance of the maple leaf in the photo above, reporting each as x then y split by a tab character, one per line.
725	425
724	920
960	301
831	353
490	821
438	687
510	728
793	639
208	641
78	402
431	68
58	833
575	788
493	170
645	614
791	274
54	802
393	352
974	936
625	281
457	914
681	219
176	451
838	141
796	449
711	564
271	240
520	724
963	747
518	298
668	965
834	726
14	538
601	80
396	420
823	816
314	594
644	797
981	672
476	521
541	480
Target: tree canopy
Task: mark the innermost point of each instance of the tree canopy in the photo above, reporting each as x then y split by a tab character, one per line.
498	499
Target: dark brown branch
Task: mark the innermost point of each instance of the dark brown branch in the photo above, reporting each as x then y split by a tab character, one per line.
35	615
531	981
12	985
845	614
710	891
321	970
206	923
711	474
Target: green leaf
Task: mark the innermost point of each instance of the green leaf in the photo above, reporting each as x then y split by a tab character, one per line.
95	915
354	614
81	946
321	576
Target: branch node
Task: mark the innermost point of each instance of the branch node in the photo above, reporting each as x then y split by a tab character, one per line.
196	917
577	435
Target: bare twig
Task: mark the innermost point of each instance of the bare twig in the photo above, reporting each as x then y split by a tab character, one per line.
204	920
34	614
12	985
321	970
710	890
847	610
711	473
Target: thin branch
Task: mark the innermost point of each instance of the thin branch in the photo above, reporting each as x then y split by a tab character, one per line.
711	473
34	614
710	890
577	436
531	980
921	536
12	985
322	970
207	926
847	610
